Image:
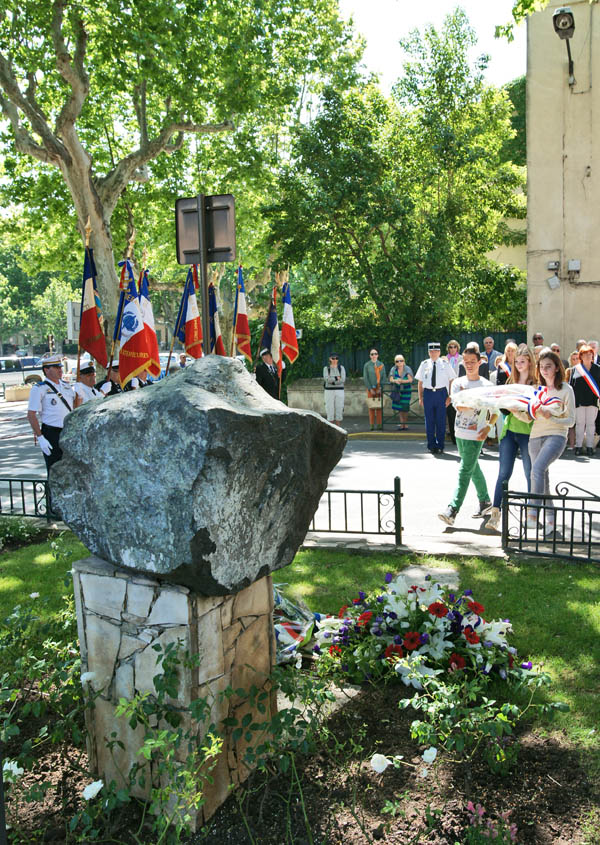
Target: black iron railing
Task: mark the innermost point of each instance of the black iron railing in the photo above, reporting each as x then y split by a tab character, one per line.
565	524
24	497
360	512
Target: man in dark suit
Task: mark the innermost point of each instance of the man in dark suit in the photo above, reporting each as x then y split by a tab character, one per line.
267	375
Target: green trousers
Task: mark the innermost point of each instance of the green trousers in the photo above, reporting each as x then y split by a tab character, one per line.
469	470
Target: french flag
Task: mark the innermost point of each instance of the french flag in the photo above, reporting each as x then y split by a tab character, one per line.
91	336
133	352
241	327
188	328
270	336
216	339
289	341
148	318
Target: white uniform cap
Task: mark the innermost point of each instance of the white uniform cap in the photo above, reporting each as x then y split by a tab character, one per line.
51	358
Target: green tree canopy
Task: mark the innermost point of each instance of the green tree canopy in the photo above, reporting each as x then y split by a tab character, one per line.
95	96
393	203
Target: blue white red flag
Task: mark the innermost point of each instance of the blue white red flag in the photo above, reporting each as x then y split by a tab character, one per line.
289	341
133	353
241	327
216	339
188	328
148	317
91	334
270	335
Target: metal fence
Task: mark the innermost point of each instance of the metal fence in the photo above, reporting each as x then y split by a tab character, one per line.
360	512
565	524
24	497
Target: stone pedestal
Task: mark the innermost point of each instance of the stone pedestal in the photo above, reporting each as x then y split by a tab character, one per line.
122	615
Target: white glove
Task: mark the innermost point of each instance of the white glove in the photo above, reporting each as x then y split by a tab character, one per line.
135	383
106	387
44	445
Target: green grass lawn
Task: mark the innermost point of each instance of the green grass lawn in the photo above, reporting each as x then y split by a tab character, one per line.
554	607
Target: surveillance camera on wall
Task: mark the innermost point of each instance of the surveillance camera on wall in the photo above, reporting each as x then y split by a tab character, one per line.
564	22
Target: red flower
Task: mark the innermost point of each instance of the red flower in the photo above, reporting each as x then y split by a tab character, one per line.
355	601
470	635
364	618
437	608
392	650
511	661
412	640
475	607
335	649
457	661
413	589
343	610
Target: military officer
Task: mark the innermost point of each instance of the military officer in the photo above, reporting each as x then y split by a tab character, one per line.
84	389
49	403
434	378
111	386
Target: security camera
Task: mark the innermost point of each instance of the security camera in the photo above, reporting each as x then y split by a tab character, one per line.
564	22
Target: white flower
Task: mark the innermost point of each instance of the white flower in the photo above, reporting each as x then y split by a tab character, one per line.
92	789
87	676
34	595
429	754
380	762
11	771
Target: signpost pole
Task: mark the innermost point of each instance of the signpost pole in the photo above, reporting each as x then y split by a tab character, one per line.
203	277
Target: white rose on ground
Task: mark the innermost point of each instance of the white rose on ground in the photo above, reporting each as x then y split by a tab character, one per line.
92	789
429	754
380	762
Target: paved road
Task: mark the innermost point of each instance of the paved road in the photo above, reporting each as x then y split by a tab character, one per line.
370	462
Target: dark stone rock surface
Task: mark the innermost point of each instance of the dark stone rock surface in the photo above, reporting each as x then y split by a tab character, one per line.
202	478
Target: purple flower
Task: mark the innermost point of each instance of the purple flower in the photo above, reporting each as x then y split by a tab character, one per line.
362	596
488	644
468	592
398	640
316	649
388	577
344	667
379	619
377	631
393	615
428	577
526	665
424	638
379	599
451	597
326	634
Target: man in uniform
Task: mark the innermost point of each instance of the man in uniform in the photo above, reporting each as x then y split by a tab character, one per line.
434	378
84	388
111	386
52	399
266	374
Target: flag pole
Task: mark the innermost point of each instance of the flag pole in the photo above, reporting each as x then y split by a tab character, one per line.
121	303
177	327
237	293
88	232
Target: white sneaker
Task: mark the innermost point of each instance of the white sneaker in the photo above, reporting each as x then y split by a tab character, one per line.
448	516
493	522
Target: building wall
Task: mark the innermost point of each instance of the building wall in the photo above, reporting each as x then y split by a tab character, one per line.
563	177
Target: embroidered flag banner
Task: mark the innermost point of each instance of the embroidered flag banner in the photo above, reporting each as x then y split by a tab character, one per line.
188	328
91	335
148	318
241	327
133	352
289	341
216	340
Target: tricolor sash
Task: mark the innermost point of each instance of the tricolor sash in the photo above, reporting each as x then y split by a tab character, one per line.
589	379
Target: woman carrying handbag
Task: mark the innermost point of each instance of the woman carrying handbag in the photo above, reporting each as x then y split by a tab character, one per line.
372	374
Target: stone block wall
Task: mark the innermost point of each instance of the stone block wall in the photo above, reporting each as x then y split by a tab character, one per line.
122	615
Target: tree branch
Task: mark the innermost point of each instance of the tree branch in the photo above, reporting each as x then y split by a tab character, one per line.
111	186
16	101
72	70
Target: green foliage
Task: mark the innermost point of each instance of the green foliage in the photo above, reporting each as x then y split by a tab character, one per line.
15	531
390	205
49	309
515	149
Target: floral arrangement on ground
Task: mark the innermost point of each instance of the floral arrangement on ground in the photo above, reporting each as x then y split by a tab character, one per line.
411	632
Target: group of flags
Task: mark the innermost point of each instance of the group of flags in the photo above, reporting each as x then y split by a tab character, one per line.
136	335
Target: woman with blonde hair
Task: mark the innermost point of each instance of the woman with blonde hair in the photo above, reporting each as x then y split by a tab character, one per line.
505	363
515	434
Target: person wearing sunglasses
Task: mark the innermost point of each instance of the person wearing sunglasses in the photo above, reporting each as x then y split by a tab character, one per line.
401	377
455	359
334	379
373	373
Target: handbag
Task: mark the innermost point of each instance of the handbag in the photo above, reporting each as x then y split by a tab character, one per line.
374	399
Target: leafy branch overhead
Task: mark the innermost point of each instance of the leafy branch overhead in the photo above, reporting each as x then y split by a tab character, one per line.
101	91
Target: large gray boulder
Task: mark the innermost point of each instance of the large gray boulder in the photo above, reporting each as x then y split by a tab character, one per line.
202	479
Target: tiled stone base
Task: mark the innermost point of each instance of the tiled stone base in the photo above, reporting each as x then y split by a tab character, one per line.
120	616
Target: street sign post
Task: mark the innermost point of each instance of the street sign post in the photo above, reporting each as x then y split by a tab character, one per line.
205	234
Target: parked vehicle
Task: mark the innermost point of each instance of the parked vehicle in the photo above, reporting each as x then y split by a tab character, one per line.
15	370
